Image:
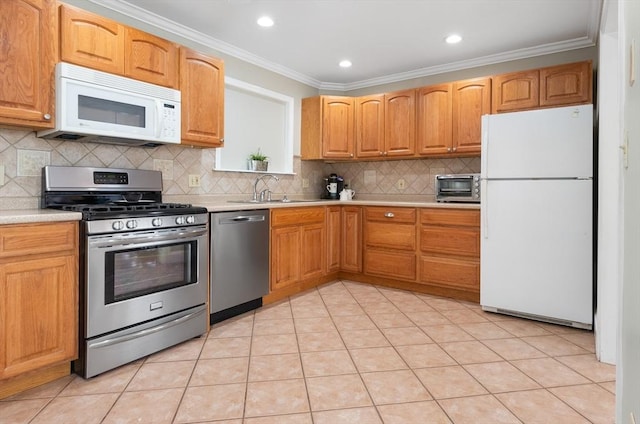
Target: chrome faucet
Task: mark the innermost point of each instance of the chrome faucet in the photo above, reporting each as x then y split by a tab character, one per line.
261	198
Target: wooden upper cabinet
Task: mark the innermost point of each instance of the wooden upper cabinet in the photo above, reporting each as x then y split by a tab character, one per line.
90	40
471	100
435	119
29	54
150	58
99	43
370	126
566	84
400	123
515	91
561	85
202	88
337	127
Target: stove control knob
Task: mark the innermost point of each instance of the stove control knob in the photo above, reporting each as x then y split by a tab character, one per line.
180	220
191	219
131	224
156	222
117	225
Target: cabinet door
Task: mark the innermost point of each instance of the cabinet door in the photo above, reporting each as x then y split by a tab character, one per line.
285	256
515	91
471	100
38	305
451	272
566	84
400	123
334	245
202	87
351	258
434	121
391	264
91	40
150	58
312	251
337	127
370	126
28	33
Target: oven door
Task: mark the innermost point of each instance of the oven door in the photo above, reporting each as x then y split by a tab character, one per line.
140	276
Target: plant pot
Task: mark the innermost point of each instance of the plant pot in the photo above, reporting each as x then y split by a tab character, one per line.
258	165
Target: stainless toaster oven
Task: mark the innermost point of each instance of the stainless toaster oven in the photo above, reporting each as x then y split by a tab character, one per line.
458	188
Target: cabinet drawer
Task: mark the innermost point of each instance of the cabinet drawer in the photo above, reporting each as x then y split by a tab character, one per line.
390	264
396	215
390	235
37	238
457	217
296	216
455	273
456	241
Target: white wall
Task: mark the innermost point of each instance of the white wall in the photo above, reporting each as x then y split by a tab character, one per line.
610	236
628	369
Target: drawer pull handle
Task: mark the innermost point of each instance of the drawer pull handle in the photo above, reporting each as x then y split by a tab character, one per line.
389	215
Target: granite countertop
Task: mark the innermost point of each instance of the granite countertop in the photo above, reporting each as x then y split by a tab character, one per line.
221	204
28	216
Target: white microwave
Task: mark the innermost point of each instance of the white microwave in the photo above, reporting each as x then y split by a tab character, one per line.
100	107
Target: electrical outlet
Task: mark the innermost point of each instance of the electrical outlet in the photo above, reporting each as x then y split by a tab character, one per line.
401	184
1	175
194	180
305	183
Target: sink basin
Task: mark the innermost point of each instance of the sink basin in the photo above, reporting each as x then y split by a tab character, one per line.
266	202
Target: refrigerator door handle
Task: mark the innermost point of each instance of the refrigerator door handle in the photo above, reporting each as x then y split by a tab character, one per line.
484	148
485	207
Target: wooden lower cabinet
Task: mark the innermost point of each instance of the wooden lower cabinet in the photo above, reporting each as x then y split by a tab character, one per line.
38	302
298	248
430	250
390	242
334	241
351	236
450	250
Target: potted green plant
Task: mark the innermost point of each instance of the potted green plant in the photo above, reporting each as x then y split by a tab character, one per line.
258	161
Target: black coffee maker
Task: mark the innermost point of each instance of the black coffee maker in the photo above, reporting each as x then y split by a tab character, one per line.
333	185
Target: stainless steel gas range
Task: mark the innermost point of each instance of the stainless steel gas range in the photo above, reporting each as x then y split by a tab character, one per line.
143	263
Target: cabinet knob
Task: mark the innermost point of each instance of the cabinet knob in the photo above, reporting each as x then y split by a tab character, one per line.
448	149
222	140
46	116
455	148
384	154
351	154
380	153
389	215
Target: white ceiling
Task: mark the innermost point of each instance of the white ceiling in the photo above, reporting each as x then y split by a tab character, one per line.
387	40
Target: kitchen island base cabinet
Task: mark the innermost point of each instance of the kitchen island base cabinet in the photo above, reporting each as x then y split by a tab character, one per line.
38	302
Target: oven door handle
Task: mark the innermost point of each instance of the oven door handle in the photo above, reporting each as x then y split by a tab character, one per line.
145	332
147	237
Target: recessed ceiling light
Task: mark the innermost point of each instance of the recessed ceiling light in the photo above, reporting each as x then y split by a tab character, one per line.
265	21
345	63
453	39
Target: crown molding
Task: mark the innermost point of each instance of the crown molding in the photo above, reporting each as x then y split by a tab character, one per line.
542	50
142	15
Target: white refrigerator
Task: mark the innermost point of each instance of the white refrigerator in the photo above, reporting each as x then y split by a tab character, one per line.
536	249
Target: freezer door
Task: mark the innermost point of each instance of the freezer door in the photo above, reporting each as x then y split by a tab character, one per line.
546	143
536	248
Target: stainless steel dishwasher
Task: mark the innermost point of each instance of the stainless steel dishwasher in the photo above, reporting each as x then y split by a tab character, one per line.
239	272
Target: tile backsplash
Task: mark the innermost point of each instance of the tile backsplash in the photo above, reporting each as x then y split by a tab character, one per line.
23	154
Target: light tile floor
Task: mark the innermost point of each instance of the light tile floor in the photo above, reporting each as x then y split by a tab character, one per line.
347	353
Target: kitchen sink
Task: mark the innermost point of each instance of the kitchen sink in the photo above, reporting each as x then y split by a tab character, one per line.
266	202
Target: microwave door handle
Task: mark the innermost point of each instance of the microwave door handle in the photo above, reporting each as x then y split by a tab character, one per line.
159	122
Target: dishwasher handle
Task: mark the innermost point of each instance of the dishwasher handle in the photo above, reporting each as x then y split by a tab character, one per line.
241	218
